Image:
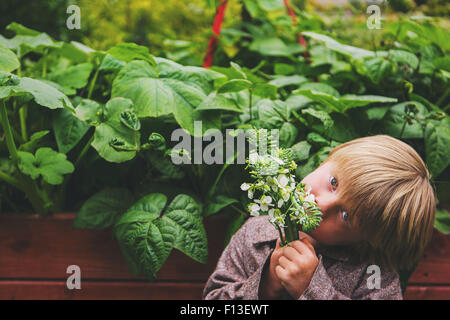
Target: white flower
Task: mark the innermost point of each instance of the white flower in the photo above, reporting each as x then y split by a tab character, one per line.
254	209
280	203
272	183
265	202
283	180
278	160
245	186
310	198
250	194
285	194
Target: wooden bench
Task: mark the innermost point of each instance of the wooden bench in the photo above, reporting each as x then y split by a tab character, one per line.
35	253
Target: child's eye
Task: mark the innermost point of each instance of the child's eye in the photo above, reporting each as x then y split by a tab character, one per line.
334	182
344	215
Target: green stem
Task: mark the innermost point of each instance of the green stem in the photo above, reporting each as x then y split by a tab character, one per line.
84	151
92	84
403	129
23	122
224	167
443	97
250	103
8	133
61	199
11	180
291	230
44	64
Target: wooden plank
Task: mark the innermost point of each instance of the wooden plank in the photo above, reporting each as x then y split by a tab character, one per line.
427	293
43	248
96	290
434	267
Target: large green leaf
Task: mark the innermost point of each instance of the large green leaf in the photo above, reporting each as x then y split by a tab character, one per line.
146	237
131	51
437	145
43	94
218	203
74	77
184	215
113	139
343	103
235	85
171	89
393	122
301	150
47	163
352	52
8	60
102	209
218	102
68	130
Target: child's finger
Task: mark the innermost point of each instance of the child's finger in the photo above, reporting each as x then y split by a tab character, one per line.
301	247
310	246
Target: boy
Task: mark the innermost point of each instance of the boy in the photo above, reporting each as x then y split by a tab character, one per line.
378	211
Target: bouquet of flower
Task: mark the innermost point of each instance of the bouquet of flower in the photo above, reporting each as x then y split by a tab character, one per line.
276	192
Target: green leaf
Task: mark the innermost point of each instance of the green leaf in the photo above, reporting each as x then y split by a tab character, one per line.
174	89
43	94
272	113
288	134
405	57
376	69
352	52
218	203
313	162
442	63
437	145
68	130
145	241
442	221
353	101
322	116
301	150
320	87
316	139
102	209
234	85
75	77
218	102
190	232
153	203
131	51
47	163
35	138
21	30
164	165
265	90
8	60
392	123
284	81
270	5
113	140
270	46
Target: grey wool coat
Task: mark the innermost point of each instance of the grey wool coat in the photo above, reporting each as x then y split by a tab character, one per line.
339	274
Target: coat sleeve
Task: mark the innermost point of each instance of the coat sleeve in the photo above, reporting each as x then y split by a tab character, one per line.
321	287
238	272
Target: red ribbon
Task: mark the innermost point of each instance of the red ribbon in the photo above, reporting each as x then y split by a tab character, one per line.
220	13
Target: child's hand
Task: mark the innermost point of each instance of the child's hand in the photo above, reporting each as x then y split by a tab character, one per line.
294	266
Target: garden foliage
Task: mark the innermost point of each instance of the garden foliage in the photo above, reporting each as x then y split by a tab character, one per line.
90	130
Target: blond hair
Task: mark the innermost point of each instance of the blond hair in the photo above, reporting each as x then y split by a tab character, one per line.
385	186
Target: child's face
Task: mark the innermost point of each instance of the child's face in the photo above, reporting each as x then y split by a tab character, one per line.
334	229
